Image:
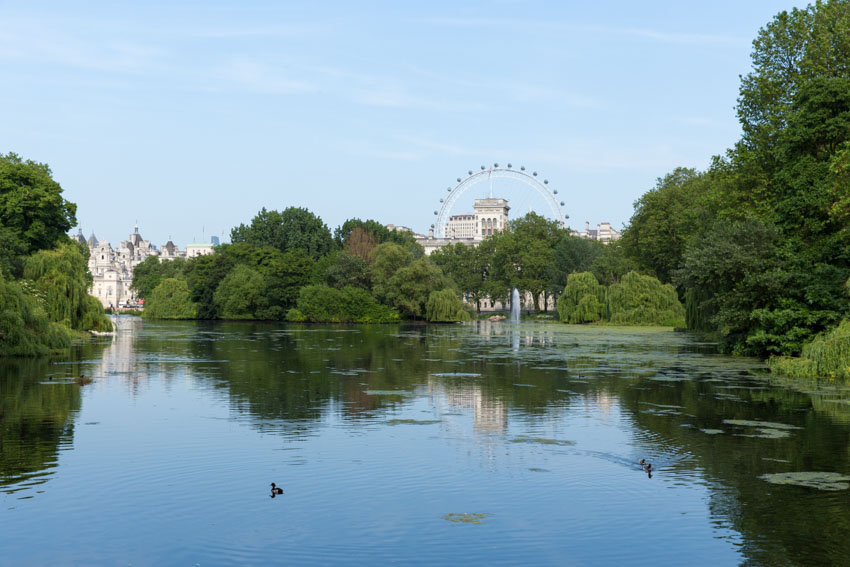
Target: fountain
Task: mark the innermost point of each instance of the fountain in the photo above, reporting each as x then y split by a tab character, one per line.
515	306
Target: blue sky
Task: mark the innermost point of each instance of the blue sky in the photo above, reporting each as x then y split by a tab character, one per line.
188	117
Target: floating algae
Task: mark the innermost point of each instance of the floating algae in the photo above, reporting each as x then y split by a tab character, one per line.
536	469
473	518
819	480
541	440
767	433
759	424
712	431
385	392
412	421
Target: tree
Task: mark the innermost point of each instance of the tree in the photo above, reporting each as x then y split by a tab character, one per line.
339	269
203	274
25	328
794	48
151	271
62	280
665	219
170	300
403	238
445	307
583	300
612	264
294	228
238	295
388	259
523	255
467	266
643	300
360	243
572	254
322	304
33	214
408	289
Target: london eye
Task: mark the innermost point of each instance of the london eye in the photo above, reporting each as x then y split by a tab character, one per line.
517	185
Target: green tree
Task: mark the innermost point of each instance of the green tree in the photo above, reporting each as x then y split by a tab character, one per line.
339	269
583	300
407	291
62	281
572	254
389	257
239	293
294	228
644	300
322	304
467	266
612	264
25	328
33	214
444	306
151	271
170	300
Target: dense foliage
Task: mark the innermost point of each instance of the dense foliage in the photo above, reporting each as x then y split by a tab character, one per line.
44	278
444	306
757	245
827	355
170	300
323	304
583	300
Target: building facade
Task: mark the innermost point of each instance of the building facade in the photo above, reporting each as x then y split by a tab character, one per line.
112	268
604	232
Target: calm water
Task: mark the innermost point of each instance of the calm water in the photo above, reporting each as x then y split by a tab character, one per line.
379	434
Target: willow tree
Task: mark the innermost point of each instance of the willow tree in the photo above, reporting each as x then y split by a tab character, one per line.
643	300
583	300
62	281
444	306
25	329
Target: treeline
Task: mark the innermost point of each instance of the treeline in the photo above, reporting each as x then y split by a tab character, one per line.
44	277
287	266
758	245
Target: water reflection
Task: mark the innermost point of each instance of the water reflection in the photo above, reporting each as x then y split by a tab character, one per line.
578	405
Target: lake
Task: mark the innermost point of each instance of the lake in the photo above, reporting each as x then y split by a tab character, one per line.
483	443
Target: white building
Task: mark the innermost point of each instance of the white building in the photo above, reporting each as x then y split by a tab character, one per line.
489	217
112	270
604	232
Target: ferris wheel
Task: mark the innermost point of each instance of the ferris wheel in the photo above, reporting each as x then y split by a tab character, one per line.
520	178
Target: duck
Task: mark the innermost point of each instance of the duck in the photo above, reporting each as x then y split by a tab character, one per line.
642	462
276	490
647	467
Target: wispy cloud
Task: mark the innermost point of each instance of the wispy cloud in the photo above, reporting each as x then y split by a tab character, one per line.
538	25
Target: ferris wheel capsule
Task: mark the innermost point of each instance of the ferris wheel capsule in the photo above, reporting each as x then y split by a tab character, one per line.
509	166
555	191
469	172
495	165
522	168
534	174
436	213
458	179
545	182
449	189
441	200
562	204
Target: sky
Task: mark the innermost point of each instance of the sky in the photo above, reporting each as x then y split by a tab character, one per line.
189	117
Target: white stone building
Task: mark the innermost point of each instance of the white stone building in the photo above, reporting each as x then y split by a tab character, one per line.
604	232
489	217
112	270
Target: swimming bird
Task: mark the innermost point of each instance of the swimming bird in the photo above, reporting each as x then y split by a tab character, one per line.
642	462
648	467
276	490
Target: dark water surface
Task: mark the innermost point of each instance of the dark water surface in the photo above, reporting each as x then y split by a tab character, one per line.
383	437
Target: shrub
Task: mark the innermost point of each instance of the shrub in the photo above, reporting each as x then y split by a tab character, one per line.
828	354
323	304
